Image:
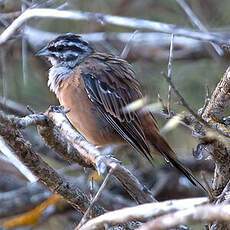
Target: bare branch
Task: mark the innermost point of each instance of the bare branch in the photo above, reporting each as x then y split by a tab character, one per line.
213	114
58	133
89	154
195	20
142	212
206	213
46	174
32	119
181	98
12	107
57	183
219	101
220	152
106	19
145	45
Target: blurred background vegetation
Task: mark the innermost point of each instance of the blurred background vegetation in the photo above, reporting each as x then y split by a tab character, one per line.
191	76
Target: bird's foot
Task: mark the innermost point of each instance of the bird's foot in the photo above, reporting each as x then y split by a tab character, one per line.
58	109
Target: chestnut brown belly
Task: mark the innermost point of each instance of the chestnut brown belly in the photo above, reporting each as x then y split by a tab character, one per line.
86	118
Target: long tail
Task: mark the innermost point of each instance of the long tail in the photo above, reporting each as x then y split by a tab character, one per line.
177	164
161	145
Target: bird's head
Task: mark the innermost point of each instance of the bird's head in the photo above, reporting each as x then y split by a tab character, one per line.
68	50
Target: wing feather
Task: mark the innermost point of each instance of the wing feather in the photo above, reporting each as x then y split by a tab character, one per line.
112	87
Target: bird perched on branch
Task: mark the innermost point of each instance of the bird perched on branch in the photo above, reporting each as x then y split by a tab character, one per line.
96	87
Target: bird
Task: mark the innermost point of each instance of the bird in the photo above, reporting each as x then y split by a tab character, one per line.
96	88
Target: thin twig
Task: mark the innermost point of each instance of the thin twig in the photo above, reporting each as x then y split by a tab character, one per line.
12	107
24	50
170	72
85	216
3	75
128	45
197	117
181	98
164	107
195	21
91	188
206	101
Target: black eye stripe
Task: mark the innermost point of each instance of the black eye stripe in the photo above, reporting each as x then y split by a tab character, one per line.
77	49
61	48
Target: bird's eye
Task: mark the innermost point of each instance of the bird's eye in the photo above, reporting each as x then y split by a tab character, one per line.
52	48
59	48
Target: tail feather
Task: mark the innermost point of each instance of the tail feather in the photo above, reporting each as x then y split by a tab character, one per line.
163	147
177	164
160	144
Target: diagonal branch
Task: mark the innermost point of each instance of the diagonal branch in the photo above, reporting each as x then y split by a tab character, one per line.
195	20
58	133
220	153
220	99
89	154
41	169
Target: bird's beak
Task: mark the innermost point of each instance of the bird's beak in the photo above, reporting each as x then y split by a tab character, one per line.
43	52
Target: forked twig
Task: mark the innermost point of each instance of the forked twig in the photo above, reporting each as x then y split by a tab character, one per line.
197	117
182	100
